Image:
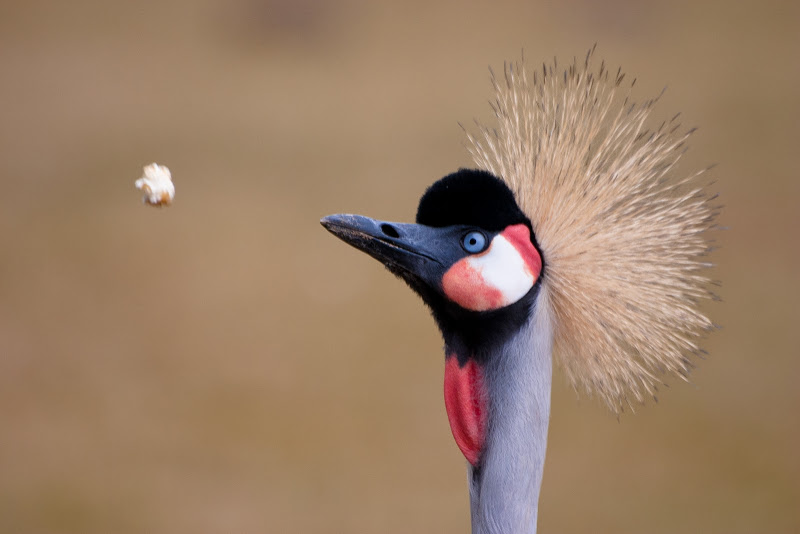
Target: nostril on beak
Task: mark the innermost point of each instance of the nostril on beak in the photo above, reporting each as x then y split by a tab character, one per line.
389	230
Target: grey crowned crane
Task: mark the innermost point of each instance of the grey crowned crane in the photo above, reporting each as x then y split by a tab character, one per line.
575	238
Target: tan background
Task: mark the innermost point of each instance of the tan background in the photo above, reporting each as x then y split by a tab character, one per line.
227	366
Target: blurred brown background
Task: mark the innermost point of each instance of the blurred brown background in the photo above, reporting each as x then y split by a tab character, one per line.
225	365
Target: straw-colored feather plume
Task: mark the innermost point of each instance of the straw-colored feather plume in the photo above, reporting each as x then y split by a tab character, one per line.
623	235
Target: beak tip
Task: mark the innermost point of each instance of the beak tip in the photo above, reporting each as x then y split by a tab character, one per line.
329	221
342	220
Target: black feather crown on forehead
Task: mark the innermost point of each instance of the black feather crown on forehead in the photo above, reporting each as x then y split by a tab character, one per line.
470	197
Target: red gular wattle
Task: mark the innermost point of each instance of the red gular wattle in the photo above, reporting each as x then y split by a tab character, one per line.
466	401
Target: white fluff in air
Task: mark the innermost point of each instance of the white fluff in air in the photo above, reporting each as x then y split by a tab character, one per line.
157	185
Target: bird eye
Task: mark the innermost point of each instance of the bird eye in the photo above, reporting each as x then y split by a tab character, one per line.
474	242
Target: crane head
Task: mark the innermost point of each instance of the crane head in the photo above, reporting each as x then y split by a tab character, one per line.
472	250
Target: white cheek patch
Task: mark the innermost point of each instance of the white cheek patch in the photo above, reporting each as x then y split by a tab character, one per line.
502	268
491	280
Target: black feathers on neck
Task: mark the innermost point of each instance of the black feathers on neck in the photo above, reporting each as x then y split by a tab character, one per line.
477	335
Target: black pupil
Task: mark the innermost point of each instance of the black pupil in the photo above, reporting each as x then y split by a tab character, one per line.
473	241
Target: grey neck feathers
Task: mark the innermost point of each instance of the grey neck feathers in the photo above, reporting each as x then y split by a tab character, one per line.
504	490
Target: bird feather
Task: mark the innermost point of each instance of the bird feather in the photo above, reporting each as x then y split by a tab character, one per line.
623	233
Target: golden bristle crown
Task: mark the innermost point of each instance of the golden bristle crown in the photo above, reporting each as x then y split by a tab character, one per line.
624	236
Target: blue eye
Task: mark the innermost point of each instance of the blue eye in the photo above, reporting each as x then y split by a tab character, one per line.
474	242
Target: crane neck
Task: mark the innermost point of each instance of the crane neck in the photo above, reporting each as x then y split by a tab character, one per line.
505	483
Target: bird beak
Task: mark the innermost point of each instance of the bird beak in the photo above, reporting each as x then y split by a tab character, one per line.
406	249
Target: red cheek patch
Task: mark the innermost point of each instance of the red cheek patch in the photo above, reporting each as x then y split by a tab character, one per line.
465	401
520	237
464	285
